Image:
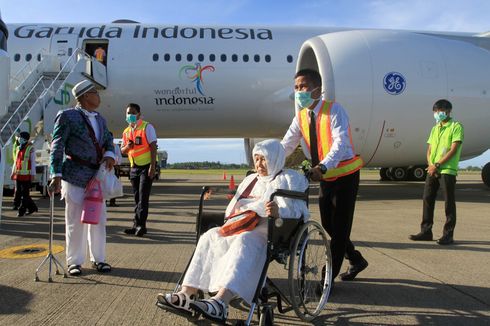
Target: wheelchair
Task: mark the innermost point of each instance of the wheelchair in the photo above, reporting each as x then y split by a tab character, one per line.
301	246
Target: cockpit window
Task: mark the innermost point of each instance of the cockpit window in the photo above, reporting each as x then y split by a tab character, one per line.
3	36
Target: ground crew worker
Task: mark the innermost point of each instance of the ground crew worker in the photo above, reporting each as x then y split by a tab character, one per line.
443	155
23	172
324	126
139	142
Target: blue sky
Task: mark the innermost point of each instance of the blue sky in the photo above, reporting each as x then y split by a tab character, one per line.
437	15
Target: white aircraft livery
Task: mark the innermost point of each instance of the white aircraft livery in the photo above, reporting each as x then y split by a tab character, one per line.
237	81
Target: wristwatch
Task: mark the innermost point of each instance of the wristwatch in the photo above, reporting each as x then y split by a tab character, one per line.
437	165
323	168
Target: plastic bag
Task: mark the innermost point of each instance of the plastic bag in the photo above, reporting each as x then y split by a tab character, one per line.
111	186
92	202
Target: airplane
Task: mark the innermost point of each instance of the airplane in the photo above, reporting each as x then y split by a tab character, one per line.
237	81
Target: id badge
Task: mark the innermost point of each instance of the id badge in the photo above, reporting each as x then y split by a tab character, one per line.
137	140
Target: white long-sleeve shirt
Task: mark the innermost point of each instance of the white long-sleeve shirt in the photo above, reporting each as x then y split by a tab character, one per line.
341	149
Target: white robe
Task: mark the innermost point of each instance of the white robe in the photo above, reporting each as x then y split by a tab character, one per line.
235	262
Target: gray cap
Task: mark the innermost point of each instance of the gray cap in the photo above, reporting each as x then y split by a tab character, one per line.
81	88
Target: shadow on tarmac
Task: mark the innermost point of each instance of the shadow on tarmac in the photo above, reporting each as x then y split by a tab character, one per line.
13	300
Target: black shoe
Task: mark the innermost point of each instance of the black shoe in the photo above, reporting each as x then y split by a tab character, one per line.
445	240
130	231
422	236
353	270
140	231
22	212
30	211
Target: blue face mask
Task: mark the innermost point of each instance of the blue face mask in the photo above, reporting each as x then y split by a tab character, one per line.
304	99
440	116
22	141
131	118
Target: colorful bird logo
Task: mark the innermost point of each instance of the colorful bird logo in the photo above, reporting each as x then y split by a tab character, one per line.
195	73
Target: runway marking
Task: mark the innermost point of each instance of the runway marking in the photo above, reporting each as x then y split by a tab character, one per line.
29	251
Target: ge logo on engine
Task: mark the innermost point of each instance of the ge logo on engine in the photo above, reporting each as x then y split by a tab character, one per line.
394	83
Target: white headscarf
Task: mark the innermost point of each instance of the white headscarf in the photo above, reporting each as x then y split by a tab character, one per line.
274	154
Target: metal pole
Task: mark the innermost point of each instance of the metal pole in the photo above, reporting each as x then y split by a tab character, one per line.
50	257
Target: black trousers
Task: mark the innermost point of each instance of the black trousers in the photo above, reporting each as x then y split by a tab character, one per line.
22	198
432	184
337	203
141	183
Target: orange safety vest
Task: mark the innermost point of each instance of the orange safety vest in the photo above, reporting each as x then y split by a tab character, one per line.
141	153
23	164
100	54
324	142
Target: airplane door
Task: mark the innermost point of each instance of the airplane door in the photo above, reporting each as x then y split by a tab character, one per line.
64	45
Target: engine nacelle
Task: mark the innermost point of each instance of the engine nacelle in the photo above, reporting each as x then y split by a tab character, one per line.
388	82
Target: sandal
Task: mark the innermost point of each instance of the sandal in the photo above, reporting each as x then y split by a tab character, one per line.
102	267
181	305
213	309
74	270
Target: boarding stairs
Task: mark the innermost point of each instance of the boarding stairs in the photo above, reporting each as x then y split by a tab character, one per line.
36	95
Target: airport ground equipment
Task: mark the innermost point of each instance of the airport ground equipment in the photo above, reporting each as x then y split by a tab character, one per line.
50	258
301	246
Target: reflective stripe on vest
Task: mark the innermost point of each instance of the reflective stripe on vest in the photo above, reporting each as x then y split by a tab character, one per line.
324	141
23	161
140	154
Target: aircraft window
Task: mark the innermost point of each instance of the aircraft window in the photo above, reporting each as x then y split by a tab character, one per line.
28	57
178	57
17	57
166	57
39	57
189	57
200	57
70	52
289	58
256	58
267	58
223	58
212	57
234	58
155	56
245	58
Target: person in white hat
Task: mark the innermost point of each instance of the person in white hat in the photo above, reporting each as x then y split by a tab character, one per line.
81	143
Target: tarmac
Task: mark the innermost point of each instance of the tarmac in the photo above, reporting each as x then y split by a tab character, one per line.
406	282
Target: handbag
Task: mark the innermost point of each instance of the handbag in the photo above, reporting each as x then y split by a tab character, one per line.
242	221
239	222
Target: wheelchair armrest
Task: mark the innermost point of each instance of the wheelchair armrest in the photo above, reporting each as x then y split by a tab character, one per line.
290	194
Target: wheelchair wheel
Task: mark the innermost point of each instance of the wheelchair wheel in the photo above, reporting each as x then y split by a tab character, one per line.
266	316
310	271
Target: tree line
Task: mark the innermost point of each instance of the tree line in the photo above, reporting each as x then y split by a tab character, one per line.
206	165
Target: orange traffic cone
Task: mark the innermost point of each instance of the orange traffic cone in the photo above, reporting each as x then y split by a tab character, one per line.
231	186
224	175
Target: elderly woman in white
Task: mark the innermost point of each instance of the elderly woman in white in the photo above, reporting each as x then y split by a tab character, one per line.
231	265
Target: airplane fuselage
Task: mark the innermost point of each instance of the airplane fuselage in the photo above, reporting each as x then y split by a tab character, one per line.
222	81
